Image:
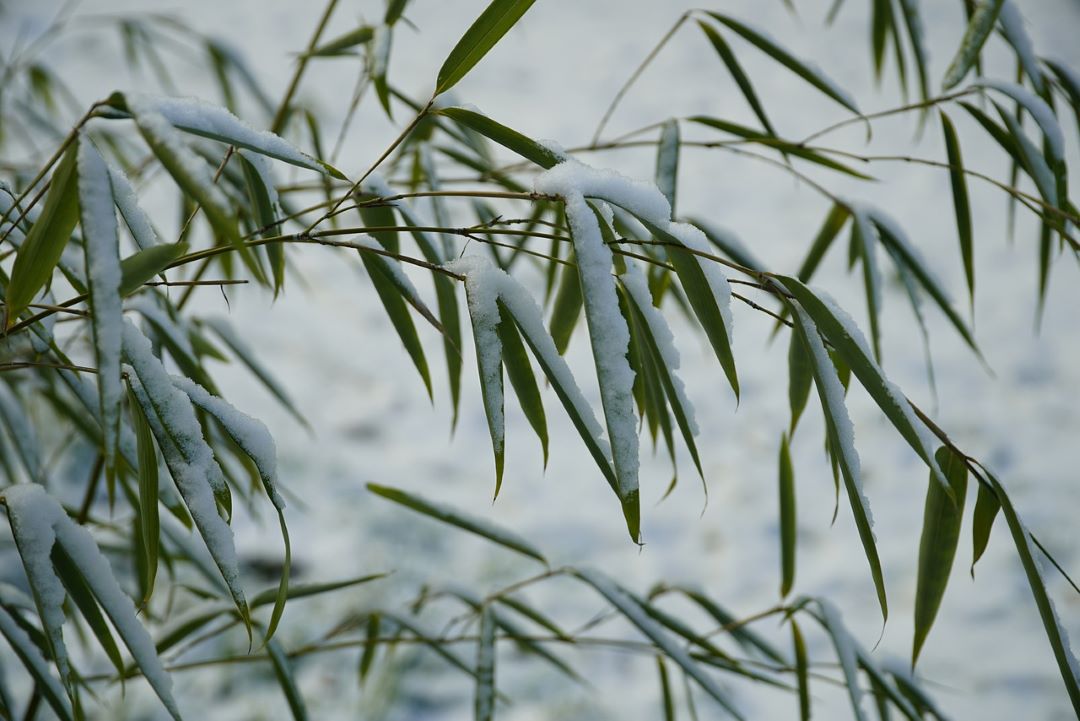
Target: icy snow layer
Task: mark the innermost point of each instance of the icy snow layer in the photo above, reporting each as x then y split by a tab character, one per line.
102	249
39	522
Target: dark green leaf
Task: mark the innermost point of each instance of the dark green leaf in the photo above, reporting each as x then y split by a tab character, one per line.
488	29
960	201
667	162
510	139
479	526
800	380
342	44
982	522
41	249
520	373
802	670
148	494
937	547
788	528
978	30
741	79
283	672
140	267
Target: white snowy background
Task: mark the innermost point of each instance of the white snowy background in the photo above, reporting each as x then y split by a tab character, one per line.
328	339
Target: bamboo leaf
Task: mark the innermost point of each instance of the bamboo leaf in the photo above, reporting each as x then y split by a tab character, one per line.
667	698
566	310
840	434
148	494
486	30
625	604
41	249
521	376
343	44
740	77
284	674
1059	641
443	513
960	201
847	655
978	30
982	522
808	72
489	367
839	330
83	597
802	670
937	547
800	380
35	664
485	667
667	162
510	139
367	656
787	519
140	267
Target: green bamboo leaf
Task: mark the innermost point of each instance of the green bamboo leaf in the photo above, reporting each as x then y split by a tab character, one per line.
148	494
667	698
800	380
443	513
702	299
846	652
486	30
830	229
264	205
566	310
807	71
283	672
140	267
960	201
367	656
1059	641
978	30
802	670
394	10
625	604
34	663
839	330
41	249
982	522
729	244
787	518
881	27
901	249
667	162
520	373
839	432
510	139
864	243
740	632
937	547
914	25
485	667
305	590
489	368
343	44
784	146
740	76
535	616
393	301
83	597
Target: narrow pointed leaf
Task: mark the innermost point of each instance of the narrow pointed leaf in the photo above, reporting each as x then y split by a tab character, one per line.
787	519
522	378
510	139
43	245
142	266
443	513
840	434
283	672
937	547
978	30
960	201
148	494
740	76
625	604
344	43
802	670
667	162
485	667
808	72
566	310
982	522
489	368
488	29
800	380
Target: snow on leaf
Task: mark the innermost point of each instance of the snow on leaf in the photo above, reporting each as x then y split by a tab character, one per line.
100	235
38	522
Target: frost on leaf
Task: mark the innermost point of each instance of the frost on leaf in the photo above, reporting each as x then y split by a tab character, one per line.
38	523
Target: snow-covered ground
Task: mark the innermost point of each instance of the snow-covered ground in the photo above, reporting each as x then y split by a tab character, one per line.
329	341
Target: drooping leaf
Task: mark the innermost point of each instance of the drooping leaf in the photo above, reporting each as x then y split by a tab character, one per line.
739	75
808	72
486	30
566	310
788	528
41	249
628	607
978	30
522	378
443	513
283	672
960	201
802	670
800	380
982	522
142	266
508	138
667	162
148	494
840	434
937	547
485	667
343	44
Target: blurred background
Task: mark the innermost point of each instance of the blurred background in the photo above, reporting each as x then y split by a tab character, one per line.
328	340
